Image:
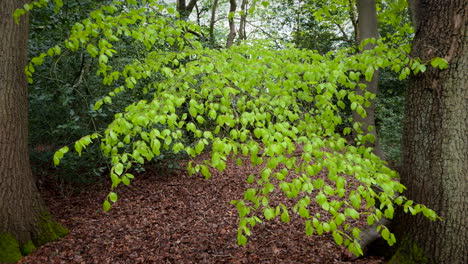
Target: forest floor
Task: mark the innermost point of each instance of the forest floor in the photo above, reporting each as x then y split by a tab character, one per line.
171	217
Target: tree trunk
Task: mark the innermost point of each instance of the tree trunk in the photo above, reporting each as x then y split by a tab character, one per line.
367	27
243	20
185	10
232	25
435	143
21	207
213	21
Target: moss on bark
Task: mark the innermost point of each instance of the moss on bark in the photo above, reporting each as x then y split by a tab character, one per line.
9	249
409	253
48	230
27	248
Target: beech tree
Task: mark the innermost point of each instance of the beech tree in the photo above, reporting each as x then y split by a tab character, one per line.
367	28
435	146
245	103
24	219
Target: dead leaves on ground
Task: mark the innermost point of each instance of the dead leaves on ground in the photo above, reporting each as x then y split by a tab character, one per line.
171	217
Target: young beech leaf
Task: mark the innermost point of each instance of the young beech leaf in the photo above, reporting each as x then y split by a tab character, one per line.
118	169
113	197
338	238
285	217
241	240
106	206
309	230
269	213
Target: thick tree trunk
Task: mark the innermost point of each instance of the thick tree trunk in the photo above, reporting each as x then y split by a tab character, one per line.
21	207
367	27
435	142
18	192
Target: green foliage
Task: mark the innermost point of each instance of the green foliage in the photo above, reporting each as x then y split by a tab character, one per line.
64	92
9	249
246	101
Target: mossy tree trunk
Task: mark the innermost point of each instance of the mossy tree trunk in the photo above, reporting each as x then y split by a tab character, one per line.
23	216
435	143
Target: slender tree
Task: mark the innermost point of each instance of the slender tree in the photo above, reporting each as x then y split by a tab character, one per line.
367	27
243	20
24	220
435	144
213	21
232	25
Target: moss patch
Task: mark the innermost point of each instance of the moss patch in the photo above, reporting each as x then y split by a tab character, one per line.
49	230
9	249
28	248
409	253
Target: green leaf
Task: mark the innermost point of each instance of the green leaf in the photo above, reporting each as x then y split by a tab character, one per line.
241	240
369	74
17	13
269	213
106	206
308	228
113	197
285	216
126	180
338	238
439	63
205	171
303	212
118	169
251	178
98	105
385	234
250	194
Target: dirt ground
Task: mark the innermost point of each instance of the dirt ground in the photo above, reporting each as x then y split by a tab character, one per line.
171	217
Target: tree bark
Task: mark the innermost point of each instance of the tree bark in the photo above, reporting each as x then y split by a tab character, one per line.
435	143
21	207
232	25
367	27
185	10
243	20
18	192
213	21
